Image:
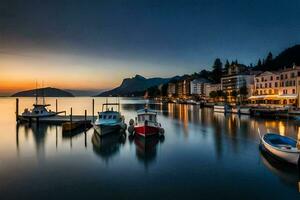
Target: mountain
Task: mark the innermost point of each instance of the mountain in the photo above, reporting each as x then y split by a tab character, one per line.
134	86
83	93
47	92
286	58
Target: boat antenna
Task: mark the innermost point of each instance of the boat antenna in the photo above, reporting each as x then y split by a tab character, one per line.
106	103
36	93
43	92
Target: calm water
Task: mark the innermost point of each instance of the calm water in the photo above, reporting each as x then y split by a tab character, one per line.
203	155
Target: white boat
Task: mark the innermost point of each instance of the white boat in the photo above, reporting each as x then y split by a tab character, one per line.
222	108
245	110
109	121
284	148
39	110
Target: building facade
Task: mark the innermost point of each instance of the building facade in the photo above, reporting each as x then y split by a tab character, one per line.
183	89
208	88
197	87
237	78
280	87
171	89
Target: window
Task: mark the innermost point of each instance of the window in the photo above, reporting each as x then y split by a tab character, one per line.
281	76
276	84
262	79
299	73
277	77
286	83
270	84
294	91
271	78
104	116
285	76
266	85
100	116
292	75
257	80
114	117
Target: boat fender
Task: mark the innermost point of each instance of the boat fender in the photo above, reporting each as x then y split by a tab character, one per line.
161	131
131	129
131	122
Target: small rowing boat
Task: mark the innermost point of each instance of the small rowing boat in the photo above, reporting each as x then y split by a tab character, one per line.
282	147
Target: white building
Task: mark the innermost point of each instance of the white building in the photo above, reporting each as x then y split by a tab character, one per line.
197	87
208	88
280	87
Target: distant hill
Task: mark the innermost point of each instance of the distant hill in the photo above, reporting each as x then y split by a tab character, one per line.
134	86
286	58
47	92
84	93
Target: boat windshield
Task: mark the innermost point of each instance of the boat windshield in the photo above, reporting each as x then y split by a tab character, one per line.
151	118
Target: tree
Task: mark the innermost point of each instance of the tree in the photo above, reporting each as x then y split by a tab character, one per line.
213	94
259	63
226	66
243	92
269	59
217	70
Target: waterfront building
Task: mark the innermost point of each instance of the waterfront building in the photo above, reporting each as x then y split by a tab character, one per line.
183	88
236	78
171	89
277	88
209	87
197	87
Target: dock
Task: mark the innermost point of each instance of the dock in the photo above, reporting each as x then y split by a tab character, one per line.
69	122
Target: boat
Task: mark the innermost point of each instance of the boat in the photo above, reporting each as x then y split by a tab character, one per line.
222	108
282	147
146	123
109	121
245	110
241	110
270	112
39	110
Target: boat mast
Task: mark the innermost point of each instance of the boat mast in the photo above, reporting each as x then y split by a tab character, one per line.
43	93
36	93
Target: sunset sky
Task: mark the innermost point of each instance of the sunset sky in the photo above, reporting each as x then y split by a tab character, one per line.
93	45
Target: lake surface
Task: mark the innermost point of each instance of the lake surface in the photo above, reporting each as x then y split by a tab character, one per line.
204	155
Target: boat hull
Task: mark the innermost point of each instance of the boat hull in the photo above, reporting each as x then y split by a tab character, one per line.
146	130
290	157
104	129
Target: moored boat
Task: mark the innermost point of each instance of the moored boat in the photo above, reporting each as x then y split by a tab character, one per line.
39	109
109	121
222	108
282	147
146	123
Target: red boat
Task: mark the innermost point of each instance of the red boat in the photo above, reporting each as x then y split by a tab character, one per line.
146	123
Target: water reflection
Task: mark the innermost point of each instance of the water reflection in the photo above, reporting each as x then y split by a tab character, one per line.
146	148
287	174
38	133
108	145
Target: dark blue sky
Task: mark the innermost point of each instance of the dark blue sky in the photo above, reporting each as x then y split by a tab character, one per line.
183	36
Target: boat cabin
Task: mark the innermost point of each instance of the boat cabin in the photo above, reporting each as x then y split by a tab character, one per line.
146	115
109	115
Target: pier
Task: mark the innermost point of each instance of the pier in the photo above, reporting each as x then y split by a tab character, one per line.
69	122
